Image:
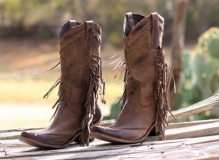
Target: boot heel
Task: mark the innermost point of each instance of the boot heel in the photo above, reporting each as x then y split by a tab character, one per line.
91	139
154	132
79	142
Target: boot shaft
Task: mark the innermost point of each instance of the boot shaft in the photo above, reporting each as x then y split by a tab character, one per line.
142	41
142	37
79	56
136	26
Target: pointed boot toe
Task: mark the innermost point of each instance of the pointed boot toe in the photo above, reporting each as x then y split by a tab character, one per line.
29	135
121	135
106	131
24	134
46	139
34	140
106	134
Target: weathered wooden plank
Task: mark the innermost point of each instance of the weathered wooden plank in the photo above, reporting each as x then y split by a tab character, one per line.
175	130
104	145
193	131
12	135
192	123
179	142
189	132
19	130
176	152
189	148
201	106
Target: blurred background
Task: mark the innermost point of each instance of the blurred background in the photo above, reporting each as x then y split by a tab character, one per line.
29	45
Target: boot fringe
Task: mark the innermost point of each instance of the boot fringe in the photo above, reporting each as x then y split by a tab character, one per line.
96	83
123	98
121	66
163	83
52	88
57	102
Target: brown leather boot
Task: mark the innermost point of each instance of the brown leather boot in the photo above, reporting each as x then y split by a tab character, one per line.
145	98
81	76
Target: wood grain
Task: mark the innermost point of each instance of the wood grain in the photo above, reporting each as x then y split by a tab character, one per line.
193	148
201	106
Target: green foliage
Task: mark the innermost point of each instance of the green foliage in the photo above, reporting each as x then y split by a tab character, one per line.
38	17
209	42
204	63
201	15
43	18
200	76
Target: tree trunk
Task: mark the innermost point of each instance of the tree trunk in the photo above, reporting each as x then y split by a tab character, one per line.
177	44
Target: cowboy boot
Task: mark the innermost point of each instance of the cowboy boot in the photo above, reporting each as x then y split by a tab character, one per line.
145	101
77	108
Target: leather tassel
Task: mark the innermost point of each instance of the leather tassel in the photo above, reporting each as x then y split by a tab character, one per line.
52	88
96	83
91	100
163	82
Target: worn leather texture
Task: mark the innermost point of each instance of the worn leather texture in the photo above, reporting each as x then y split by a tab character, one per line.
79	47
141	99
